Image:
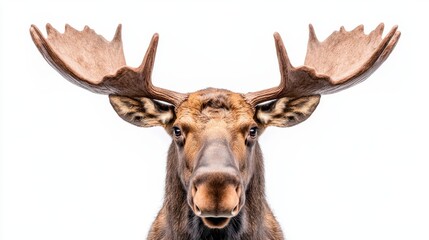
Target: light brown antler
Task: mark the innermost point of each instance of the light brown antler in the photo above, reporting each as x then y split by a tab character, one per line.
341	61
90	61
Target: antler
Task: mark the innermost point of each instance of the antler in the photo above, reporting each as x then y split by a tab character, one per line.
341	61
90	61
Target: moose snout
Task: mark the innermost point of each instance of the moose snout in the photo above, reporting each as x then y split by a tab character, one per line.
224	204
216	196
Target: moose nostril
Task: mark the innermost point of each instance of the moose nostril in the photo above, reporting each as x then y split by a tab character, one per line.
235	211
197	210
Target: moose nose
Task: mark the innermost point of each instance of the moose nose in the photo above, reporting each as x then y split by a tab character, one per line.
217	197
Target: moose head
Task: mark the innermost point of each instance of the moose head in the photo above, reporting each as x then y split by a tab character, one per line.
215	176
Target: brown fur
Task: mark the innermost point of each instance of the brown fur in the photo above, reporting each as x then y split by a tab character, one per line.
215	184
177	221
230	117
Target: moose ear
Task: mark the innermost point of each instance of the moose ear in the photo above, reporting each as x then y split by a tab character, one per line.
286	112
143	112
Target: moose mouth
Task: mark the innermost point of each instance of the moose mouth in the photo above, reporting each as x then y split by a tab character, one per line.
216	222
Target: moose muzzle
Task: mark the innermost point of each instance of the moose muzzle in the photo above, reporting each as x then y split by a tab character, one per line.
216	188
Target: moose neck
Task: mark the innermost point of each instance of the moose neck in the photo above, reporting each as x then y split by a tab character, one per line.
184	224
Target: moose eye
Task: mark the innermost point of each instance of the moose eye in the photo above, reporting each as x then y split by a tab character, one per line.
253	132
177	132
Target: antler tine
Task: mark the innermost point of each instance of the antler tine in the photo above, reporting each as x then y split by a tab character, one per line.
90	61
339	62
254	98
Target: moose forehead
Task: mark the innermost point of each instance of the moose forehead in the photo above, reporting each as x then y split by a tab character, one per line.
214	116
223	107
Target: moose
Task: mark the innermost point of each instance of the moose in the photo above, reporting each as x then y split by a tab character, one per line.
214	186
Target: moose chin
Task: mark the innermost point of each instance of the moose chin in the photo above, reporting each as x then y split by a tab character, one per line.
214	187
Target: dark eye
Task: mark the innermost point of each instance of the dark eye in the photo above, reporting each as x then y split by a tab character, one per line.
253	132
177	132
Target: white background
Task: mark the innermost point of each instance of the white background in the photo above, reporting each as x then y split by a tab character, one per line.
72	169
